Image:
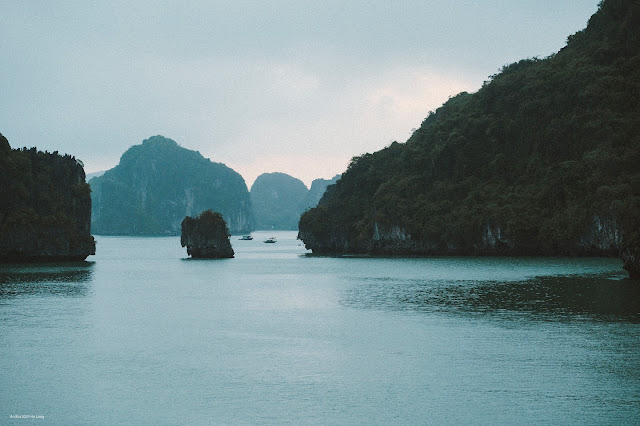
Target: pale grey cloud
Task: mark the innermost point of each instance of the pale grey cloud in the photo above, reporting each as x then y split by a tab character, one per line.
293	86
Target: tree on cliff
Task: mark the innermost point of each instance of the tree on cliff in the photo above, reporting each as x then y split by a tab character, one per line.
317	190
45	206
543	159
158	183
206	236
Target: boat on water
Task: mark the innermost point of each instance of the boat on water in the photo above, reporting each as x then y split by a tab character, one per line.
246	238
270	240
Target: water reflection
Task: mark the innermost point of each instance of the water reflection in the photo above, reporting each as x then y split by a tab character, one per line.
599	297
58	279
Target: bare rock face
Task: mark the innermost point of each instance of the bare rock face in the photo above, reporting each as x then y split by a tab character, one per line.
206	236
630	254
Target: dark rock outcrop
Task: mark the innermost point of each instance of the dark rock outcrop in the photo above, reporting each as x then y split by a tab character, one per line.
45	207
630	254
206	236
158	183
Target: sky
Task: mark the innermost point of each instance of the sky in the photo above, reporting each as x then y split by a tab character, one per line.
298	87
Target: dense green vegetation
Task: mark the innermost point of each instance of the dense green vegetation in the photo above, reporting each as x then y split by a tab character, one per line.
158	183
279	199
45	206
543	159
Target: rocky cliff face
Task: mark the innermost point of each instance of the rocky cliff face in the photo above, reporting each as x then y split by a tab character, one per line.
45	206
602	238
158	183
630	254
206	236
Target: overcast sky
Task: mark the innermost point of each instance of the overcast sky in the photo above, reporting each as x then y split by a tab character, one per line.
298	87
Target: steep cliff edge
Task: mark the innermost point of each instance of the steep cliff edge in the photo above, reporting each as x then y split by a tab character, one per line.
542	160
317	190
206	236
630	254
45	207
158	183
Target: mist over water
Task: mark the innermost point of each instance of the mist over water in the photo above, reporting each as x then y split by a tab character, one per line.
142	334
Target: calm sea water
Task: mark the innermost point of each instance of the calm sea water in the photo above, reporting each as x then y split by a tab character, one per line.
140	334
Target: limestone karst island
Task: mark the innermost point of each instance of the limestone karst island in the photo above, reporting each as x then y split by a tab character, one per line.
45	207
206	236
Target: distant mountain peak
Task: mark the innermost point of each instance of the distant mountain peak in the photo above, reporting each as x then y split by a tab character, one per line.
279	199
159	140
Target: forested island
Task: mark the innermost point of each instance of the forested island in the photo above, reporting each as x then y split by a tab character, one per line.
45	206
542	160
158	183
206	236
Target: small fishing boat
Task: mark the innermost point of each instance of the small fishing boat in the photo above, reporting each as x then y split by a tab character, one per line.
246	238
270	240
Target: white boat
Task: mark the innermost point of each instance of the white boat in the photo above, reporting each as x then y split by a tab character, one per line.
270	240
246	238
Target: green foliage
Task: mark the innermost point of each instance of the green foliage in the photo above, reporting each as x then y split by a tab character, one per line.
213	219
45	206
543	151
209	220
